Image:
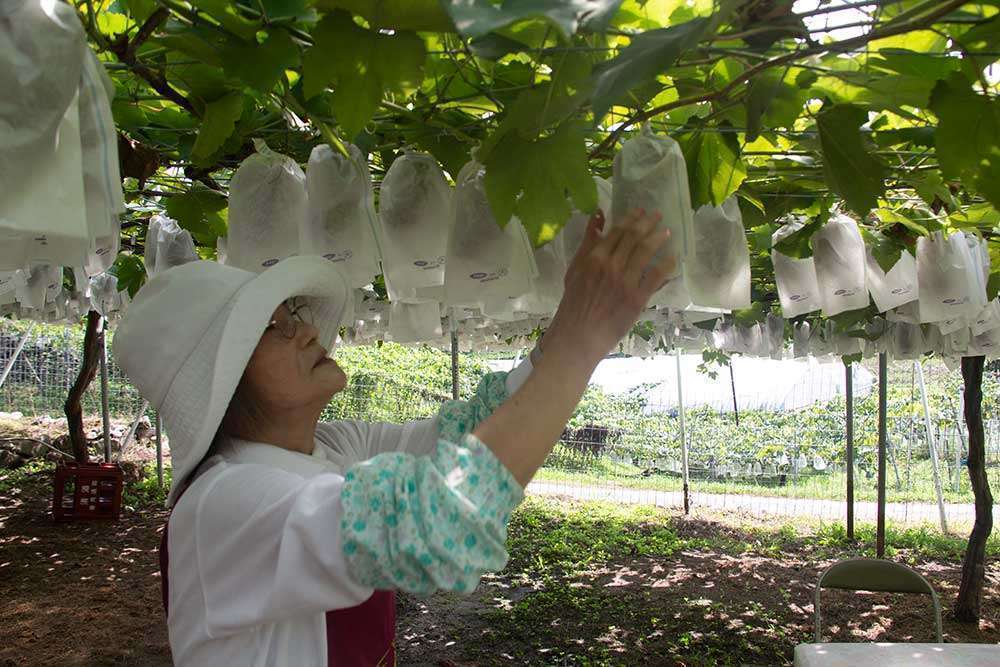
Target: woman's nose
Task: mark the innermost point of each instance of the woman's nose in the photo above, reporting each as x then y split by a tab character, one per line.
306	333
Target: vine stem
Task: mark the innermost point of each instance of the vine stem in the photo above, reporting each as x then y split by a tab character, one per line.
842	45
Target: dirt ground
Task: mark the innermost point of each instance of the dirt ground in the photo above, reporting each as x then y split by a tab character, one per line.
89	594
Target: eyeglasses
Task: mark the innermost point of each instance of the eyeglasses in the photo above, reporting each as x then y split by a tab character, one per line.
300	312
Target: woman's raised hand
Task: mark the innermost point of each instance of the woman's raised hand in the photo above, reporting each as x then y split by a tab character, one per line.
609	283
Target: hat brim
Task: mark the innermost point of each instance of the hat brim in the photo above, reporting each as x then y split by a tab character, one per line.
201	391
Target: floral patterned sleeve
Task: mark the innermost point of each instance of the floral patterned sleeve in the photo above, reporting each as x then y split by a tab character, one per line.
427	523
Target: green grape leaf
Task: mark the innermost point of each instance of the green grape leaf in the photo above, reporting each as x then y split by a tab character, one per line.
968	128
226	14
993	285
130	271
886	250
851	171
218	123
261	65
715	168
774	101
648	55
531	179
424	15
362	64
201	211
139	10
475	18
799	243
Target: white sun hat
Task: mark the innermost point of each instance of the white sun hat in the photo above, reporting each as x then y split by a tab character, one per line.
188	335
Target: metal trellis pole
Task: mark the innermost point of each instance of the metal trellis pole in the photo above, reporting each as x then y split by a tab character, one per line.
849	398
17	352
105	411
882	400
684	444
132	429
931	444
159	450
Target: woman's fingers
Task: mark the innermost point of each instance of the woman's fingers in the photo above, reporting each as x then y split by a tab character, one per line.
635	229
644	253
656	276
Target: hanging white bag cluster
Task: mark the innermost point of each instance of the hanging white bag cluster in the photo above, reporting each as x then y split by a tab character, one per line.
341	222
414	208
949	274
61	191
267	206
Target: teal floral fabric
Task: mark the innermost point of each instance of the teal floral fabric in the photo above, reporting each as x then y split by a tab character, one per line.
426	523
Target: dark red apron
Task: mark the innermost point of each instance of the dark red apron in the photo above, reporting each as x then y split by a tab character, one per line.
361	635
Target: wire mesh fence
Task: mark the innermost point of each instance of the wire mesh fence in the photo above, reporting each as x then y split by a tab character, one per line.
627	448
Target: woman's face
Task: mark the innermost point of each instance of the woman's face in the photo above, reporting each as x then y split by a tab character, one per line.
289	368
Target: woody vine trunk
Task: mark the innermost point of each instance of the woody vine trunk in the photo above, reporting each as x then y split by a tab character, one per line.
970	593
88	369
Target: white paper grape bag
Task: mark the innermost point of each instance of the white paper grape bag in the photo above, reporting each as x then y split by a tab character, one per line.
547	287
798	289
167	245
800	340
573	232
775	329
414	205
341	222
101	175
649	172
414	322
717	271
946	274
987	319
483	261
839	258
893	288
267	204
42	205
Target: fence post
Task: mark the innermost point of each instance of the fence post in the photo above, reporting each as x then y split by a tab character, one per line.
17	352
684	445
931	445
159	450
849	397
105	410
454	364
882	409
960	427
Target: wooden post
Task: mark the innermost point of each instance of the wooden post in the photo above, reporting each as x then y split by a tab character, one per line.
684	445
882	409
849	397
970	592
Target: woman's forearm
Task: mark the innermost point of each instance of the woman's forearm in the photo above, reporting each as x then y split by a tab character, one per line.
523	430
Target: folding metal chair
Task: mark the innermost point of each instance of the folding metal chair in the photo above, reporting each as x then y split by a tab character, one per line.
869	574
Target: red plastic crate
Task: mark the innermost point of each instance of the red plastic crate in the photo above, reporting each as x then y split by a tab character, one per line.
87	491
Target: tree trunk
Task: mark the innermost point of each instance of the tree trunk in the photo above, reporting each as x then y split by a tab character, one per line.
88	369
970	594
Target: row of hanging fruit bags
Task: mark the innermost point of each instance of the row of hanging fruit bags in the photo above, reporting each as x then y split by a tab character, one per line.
61	196
439	247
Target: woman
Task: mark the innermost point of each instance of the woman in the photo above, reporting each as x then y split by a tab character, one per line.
287	535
